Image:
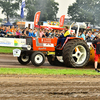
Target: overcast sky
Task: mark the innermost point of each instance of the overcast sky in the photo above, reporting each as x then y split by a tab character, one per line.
63	7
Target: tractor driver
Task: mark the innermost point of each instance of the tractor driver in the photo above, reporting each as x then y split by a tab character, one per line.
63	37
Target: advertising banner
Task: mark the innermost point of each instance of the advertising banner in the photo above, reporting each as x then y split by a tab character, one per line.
37	17
62	18
54	23
12	42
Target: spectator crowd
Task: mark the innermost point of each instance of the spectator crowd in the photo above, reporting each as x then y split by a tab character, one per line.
28	32
17	32
88	35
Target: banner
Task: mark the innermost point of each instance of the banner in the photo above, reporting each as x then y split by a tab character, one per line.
37	17
12	42
54	23
22	8
62	18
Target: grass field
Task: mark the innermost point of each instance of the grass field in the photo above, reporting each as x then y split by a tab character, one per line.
7	49
46	71
43	71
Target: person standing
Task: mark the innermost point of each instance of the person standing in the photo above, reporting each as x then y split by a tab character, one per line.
17	34
47	33
52	34
93	35
12	29
79	35
96	46
9	33
41	33
56	33
26	31
31	33
83	35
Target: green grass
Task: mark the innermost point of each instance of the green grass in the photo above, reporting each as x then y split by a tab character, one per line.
46	71
7	49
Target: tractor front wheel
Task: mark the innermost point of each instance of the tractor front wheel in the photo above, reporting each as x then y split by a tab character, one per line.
24	59
37	58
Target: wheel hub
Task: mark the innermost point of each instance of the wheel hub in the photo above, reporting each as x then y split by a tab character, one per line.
38	58
24	58
79	54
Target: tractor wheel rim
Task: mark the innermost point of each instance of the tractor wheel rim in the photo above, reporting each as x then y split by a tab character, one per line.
79	54
60	59
38	59
24	58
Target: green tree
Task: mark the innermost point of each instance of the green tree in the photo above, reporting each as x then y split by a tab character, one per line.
48	9
85	11
9	7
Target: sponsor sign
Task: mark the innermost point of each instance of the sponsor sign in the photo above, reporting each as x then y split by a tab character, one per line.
62	18
12	42
16	52
48	45
37	17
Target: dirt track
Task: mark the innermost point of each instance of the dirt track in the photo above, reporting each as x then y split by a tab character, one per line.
7	60
39	87
46	87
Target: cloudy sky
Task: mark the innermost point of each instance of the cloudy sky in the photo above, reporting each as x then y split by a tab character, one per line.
63	7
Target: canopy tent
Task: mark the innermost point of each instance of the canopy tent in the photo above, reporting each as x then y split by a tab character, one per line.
8	24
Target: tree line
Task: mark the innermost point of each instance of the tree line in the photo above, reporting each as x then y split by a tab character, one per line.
48	8
85	11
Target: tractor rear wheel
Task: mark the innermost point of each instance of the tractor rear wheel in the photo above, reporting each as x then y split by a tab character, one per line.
37	58
76	53
53	60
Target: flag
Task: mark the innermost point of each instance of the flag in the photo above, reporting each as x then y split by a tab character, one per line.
37	17
22	7
62	18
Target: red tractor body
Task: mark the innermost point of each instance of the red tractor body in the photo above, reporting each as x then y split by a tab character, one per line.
74	52
44	44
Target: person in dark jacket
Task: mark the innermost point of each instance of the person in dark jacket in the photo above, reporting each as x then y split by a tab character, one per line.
96	46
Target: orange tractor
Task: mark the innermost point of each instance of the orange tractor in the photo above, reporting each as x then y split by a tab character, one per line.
74	52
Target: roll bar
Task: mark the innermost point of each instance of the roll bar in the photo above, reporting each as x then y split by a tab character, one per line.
78	25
